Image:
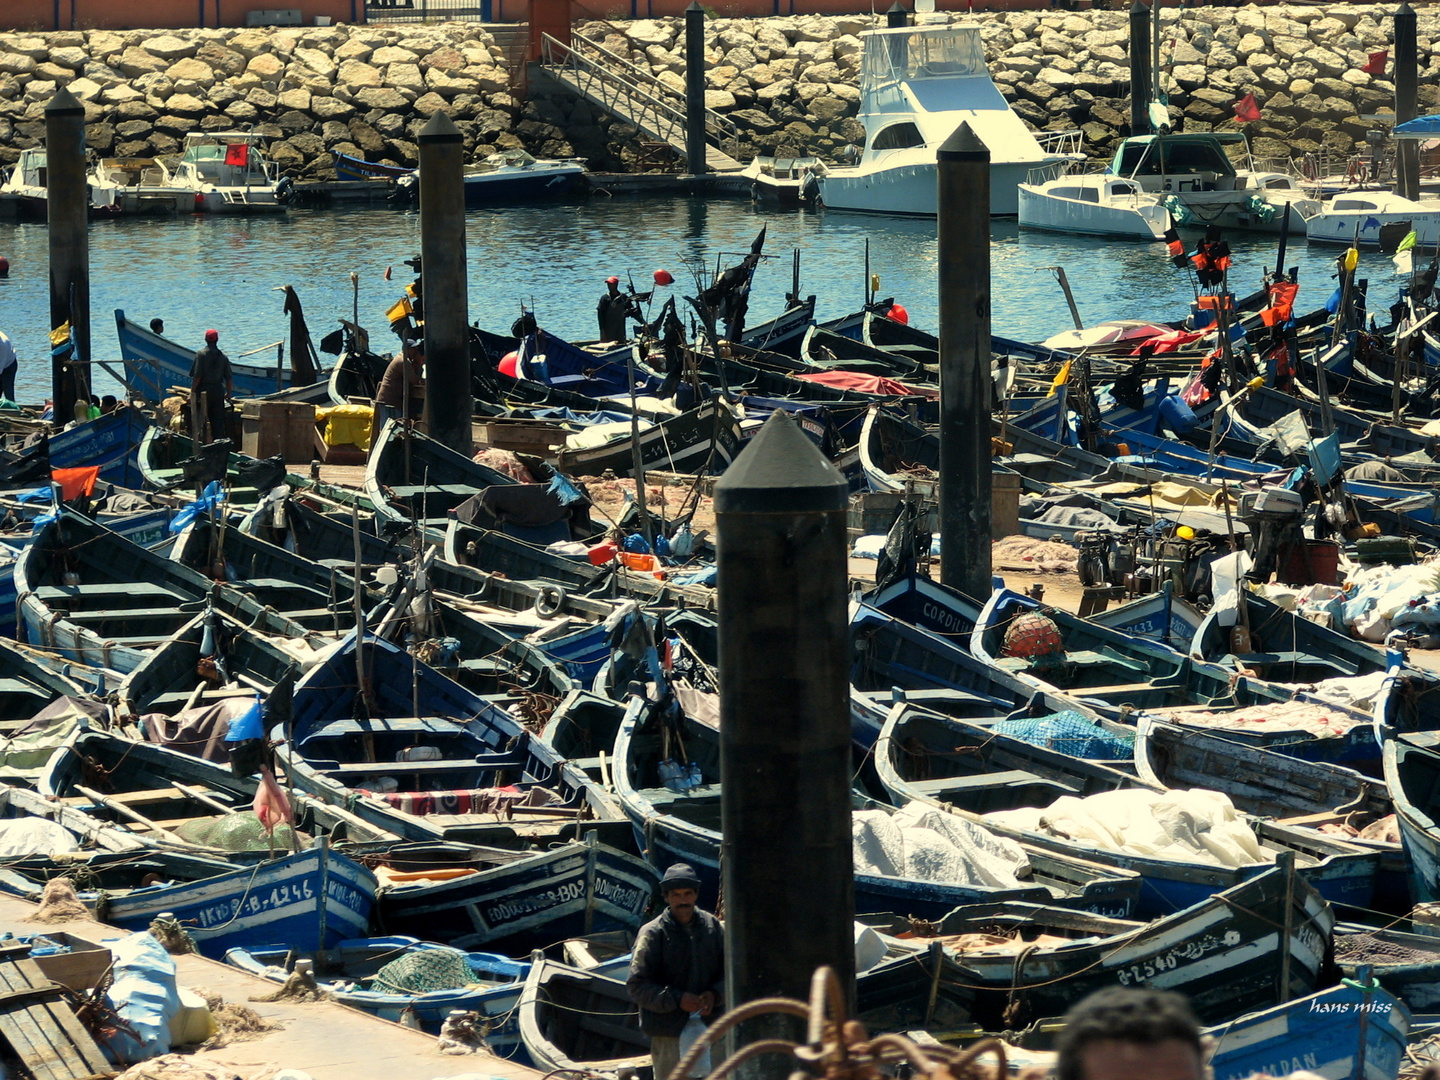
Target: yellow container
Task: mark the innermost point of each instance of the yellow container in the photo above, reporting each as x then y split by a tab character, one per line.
347	425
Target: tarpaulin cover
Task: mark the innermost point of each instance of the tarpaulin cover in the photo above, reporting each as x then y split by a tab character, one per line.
1169	341
199	732
26	752
868	384
77	481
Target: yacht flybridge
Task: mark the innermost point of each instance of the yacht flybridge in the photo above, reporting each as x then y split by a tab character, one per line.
917	85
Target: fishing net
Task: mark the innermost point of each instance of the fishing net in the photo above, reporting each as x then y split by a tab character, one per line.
173	936
298	986
241	831
424	971
1070	733
1032	636
233	1022
59	903
178	1067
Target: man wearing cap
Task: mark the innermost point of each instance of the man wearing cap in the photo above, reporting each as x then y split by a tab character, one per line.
211	376
677	968
401	380
612	311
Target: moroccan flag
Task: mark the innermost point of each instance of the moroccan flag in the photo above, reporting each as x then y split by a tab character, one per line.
1376	64
1247	109
237	154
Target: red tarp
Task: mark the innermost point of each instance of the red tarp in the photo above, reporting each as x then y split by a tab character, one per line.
1169	342
868	384
76	482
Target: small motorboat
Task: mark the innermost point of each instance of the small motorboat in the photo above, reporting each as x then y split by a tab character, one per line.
507	177
1357	217
138	186
223	173
1093	205
780	179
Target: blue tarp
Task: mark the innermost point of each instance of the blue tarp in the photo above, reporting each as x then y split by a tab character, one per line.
1422	127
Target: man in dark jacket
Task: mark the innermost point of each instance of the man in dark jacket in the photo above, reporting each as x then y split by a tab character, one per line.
678	968
614	309
213	383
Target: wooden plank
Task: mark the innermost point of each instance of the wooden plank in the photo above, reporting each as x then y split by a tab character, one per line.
42	1051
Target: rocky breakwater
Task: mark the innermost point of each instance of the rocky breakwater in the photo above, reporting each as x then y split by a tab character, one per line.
360	90
790	82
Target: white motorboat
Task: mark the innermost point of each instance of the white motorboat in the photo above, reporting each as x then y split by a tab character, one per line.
224	173
1093	204
1201	184
780	179
28	181
1357	217
138	186
510	176
917	85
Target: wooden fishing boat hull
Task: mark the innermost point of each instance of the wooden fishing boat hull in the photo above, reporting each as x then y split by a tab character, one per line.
703	440
110	441
1023	775
1412	769
309	901
1162	617
1223	953
1286	647
153	364
362	957
580	1022
580	888
1348	1032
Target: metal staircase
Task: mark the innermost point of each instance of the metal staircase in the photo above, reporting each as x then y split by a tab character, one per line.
636	97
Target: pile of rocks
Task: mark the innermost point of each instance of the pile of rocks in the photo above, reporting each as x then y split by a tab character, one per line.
788	82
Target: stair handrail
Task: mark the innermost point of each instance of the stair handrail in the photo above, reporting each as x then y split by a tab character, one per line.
558	54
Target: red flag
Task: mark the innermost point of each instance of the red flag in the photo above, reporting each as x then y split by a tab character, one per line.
76	482
1376	64
1247	109
237	154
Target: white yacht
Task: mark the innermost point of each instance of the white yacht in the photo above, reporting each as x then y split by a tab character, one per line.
138	186
224	174
1091	204
1201	184
917	84
1356	218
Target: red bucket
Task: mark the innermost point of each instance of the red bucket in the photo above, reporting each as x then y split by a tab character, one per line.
1316	562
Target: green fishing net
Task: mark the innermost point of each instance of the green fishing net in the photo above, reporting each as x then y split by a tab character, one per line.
240	831
423	971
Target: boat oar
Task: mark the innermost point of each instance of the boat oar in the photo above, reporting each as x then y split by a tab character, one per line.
1240	643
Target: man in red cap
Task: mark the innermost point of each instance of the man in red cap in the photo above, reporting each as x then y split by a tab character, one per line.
612	311
212	385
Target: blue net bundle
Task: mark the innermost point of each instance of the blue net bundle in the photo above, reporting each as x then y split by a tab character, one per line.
1070	733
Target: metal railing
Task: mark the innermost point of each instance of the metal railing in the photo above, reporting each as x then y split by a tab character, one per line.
1061	142
402	11
632	93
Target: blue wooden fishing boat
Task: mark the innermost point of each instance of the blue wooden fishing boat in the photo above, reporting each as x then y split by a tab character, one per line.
27	686
1162	616
349	975
1411	759
974	771
153	364
684	826
515	901
408	746
1286	647
311	900
1354	1031
110	441
1112	671
580	1022
96	597
1405	964
1251	946
353	168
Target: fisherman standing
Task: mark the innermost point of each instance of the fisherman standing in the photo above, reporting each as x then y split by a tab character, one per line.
401	379
8	366
211	376
678	967
612	311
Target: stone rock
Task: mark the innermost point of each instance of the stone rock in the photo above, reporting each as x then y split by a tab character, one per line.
298	99
405	77
445	58
162	145
135	61
307	142
186	105
115	95
317	60
827	108
358	75
84	89
719	100
169	47
178	126
820	73
100	137
193	71
138	109
389	54
292	121
70	57
382	98
132	129
366	137
40	89
353	49
427	105
329	108
777	91
449	85
755	120
266	67
261	98
643	32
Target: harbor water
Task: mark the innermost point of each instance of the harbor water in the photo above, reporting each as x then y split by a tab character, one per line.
197	272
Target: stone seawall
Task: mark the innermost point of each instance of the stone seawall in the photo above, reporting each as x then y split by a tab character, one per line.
786	82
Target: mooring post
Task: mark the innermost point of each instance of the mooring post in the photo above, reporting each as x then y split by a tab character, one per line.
897	16
695	88
448	403
788	878
1139	69
67	201
964	234
1407	102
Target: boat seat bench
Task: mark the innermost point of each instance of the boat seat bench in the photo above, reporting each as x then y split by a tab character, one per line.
129	614
1007	778
103	588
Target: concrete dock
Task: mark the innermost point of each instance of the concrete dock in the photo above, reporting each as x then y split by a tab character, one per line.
327	1040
